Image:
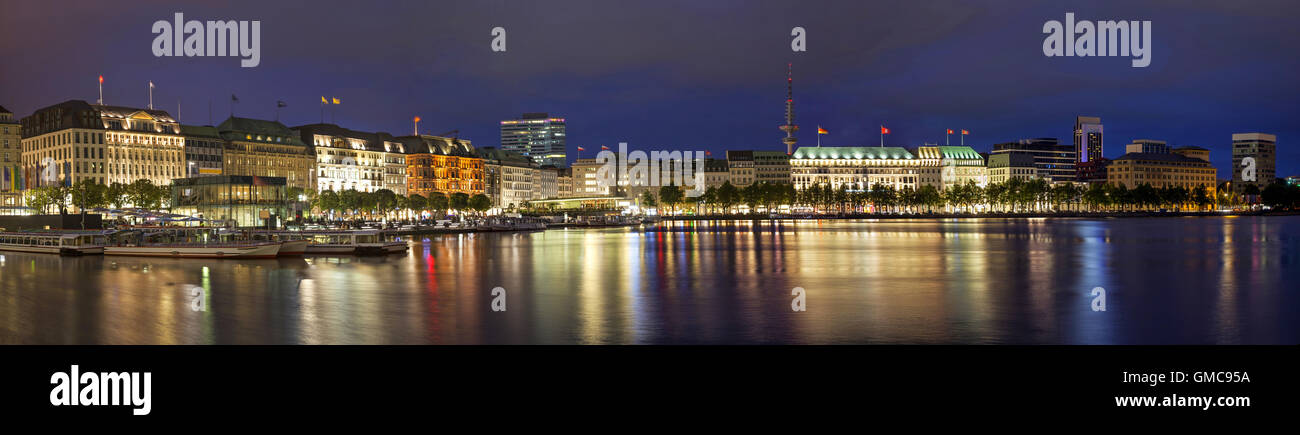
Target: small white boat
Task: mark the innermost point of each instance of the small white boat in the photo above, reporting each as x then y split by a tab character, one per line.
187	242
72	243
292	243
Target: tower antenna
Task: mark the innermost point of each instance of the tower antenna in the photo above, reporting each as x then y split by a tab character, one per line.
789	128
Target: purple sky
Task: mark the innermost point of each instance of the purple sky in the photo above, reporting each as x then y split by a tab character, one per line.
687	74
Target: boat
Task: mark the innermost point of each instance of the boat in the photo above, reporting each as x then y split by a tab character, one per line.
292	243
51	242
186	242
362	242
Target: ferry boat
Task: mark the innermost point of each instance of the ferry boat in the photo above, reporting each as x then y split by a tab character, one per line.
62	243
292	243
364	242
186	242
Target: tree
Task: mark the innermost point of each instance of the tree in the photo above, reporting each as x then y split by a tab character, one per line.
88	194
648	200
710	198
437	201
728	196
478	202
417	203
117	195
350	201
327	201
384	201
39	199
458	201
671	196
143	194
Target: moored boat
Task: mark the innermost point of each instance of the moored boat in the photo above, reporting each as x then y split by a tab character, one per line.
187	243
364	242
62	243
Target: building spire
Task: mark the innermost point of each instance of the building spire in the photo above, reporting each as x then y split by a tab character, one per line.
789	128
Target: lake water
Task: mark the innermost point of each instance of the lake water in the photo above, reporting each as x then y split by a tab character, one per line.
1216	280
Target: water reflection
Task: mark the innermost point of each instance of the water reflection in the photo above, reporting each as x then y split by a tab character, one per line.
1195	280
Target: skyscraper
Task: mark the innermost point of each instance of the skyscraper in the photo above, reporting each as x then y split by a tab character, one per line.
536	135
1261	147
1087	138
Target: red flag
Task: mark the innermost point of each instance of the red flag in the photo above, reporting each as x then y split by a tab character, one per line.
101	80
965	132
604	148
581	149
884	130
950	131
821	130
708	153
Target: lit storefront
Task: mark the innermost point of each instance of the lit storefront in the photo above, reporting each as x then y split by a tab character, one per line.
238	199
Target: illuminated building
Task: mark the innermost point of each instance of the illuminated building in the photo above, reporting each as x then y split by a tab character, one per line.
1187	167
1263	148
262	148
716	173
1053	161
235	199
740	168
1088	138
1149	146
204	150
859	168
11	181
1006	166
507	177
749	167
1093	172
74	140
353	160
537	136
436	164
546	183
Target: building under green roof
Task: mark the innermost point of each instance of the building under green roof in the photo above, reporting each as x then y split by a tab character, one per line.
870	153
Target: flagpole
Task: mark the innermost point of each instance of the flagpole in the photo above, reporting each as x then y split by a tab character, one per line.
151	95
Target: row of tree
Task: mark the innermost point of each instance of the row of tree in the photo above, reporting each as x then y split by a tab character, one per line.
88	194
1015	195
383	202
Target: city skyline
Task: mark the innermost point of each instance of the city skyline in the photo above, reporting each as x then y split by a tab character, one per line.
720	89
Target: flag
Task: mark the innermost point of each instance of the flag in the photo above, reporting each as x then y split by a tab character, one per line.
884	130
965	132
279	104
234	98
581	149
151	84
708	153
336	100
950	131
417	119
604	148
101	80
323	101
821	130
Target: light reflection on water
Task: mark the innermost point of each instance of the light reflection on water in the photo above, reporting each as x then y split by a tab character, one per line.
1172	280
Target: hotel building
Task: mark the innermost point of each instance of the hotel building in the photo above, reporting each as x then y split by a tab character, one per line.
353	160
1005	166
740	165
1263	148
11	183
862	167
585	180
74	140
436	164
267	149
204	150
537	136
1187	167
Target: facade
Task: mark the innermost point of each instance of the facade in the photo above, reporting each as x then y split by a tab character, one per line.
262	148
1164	169
585	181
861	168
353	160
507	177
946	166
204	150
741	167
11	181
564	183
717	173
1093	172
74	141
1263	148
1088	138
236	199
546	183
436	164
1150	146
771	167
1053	161
537	136
1006	166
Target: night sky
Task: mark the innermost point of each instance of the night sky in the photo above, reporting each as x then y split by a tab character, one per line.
688	74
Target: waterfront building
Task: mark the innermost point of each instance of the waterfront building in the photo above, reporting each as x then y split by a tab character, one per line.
507	177
717	173
740	164
239	200
564	183
1093	172
585	181
545	183
771	167
11	181
862	167
75	140
947	166
1053	161
538	136
353	160
1181	167
1262	147
1088	138
436	164
261	148
1006	166
204	150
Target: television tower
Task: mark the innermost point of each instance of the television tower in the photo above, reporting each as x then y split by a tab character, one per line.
789	128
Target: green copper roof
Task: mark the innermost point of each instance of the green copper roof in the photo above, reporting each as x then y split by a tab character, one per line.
890	153
960	152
